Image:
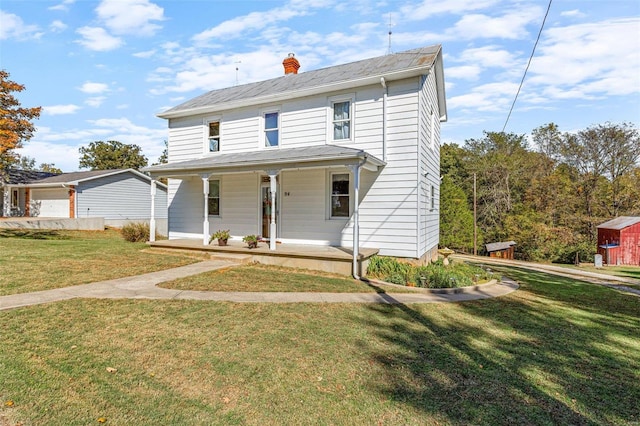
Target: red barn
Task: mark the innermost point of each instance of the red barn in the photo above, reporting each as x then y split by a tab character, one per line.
619	241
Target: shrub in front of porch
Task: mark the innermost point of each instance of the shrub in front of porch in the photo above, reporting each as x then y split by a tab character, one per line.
433	275
136	232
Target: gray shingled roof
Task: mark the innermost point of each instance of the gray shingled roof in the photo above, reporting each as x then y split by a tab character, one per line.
419	60
15	177
491	247
75	176
276	157
620	222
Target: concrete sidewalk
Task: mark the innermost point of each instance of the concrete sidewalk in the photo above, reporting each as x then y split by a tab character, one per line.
607	280
145	287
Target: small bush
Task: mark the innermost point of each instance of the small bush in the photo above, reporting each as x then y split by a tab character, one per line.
136	232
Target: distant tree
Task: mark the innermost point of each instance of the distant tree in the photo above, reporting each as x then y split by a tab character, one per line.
456	217
15	122
164	157
107	155
548	139
50	168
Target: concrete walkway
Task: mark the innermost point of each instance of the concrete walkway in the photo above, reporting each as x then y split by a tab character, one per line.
611	281
145	287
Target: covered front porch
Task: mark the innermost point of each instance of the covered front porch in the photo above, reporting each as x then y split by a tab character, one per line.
337	260
298	222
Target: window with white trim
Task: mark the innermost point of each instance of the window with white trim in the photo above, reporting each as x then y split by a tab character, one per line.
271	129
341	120
214	136
214	197
340	198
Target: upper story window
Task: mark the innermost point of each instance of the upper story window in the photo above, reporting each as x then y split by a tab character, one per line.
214	136
271	129
342	120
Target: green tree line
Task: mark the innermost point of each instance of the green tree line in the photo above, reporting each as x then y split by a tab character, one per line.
548	192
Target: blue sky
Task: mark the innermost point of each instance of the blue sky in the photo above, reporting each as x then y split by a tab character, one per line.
102	70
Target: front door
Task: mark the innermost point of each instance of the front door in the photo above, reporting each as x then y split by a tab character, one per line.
267	210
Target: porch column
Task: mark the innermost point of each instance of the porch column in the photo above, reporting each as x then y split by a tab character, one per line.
273	226
205	223
356	217
152	218
6	201
72	201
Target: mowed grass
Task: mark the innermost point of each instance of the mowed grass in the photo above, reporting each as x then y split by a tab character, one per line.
257	277
33	260
557	351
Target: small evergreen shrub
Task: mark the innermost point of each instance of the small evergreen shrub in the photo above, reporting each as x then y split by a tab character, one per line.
136	232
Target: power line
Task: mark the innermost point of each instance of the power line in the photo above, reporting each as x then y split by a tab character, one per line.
528	64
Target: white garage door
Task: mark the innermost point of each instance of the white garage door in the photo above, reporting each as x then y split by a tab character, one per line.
50	202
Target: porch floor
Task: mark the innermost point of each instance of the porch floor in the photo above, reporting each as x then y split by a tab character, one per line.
323	258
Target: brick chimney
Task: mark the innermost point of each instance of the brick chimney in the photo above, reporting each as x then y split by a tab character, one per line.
291	64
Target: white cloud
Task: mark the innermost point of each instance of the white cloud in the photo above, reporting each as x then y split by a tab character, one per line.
95	101
429	8
586	60
486	97
96	38
94	88
64	156
57	26
145	54
465	72
12	26
64	6
61	109
575	13
511	25
130	16
235	28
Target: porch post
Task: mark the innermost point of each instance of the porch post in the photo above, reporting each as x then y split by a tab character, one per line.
152	218
205	223
27	202
356	217
273	226
6	203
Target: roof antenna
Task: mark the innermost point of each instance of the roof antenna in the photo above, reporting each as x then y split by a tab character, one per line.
390	25
237	62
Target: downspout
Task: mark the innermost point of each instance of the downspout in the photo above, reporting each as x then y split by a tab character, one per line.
356	215
384	118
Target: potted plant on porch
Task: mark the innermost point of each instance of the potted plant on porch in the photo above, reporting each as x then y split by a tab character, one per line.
251	240
222	236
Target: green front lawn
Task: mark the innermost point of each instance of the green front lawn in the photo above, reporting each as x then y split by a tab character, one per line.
557	351
33	260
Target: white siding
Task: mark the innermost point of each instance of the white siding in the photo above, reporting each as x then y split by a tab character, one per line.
394	214
123	196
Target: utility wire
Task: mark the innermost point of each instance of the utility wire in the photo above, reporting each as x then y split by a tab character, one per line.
528	64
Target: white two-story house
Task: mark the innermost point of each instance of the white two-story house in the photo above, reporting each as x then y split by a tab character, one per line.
347	155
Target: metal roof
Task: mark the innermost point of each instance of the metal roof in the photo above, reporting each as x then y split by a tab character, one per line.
620	222
277	158
368	71
499	246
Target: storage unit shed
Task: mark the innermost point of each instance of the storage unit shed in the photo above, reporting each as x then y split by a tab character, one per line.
619	241
503	250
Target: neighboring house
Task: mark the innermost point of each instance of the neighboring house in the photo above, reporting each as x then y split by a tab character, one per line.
346	156
119	196
12	198
503	250
619	241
